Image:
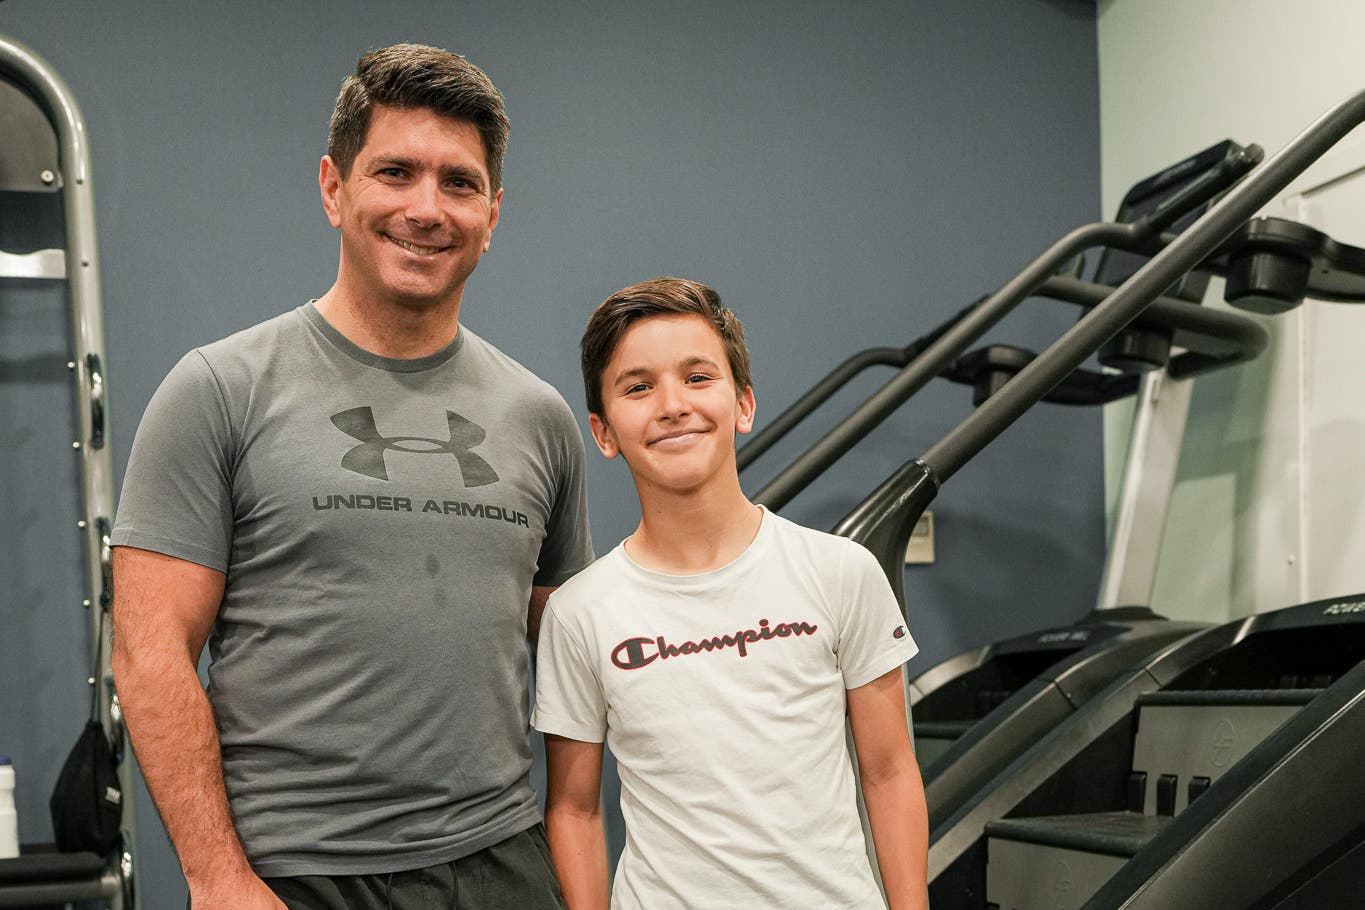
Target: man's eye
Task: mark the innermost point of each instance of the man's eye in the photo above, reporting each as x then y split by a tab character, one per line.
391	172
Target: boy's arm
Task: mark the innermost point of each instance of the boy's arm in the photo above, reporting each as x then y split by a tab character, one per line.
573	820
892	789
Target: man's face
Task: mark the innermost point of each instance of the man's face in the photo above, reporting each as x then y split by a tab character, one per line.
670	405
415	212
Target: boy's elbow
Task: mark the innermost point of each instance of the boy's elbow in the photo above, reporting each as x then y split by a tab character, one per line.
889	767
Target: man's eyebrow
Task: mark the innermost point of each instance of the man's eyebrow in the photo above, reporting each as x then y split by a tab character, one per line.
382	161
459	170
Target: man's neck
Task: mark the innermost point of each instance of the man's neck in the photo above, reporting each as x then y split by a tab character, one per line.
693	532
387	328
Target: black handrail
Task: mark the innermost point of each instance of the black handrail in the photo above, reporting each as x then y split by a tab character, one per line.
835	380
883	521
978	319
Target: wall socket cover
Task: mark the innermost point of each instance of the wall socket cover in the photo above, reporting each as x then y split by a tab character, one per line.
920	550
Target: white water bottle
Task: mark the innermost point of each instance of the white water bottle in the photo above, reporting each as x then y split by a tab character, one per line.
9	817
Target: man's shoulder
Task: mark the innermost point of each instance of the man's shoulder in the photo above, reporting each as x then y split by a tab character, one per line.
254	344
534	395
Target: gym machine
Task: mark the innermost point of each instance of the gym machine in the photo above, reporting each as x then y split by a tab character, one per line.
1241	841
44	150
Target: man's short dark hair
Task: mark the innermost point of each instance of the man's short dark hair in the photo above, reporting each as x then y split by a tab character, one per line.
657	297
407	76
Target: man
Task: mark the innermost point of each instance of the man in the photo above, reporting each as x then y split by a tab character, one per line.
367	506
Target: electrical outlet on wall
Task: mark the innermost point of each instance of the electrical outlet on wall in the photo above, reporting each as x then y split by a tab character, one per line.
920	550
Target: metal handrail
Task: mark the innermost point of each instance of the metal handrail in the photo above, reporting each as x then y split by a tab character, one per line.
883	521
32	73
957	337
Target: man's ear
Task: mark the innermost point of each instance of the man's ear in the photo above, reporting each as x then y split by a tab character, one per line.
494	212
744	411
603	436
329	182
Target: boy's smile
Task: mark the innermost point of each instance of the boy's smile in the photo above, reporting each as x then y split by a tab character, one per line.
670	404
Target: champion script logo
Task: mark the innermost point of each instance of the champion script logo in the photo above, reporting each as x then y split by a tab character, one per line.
634	653
368	457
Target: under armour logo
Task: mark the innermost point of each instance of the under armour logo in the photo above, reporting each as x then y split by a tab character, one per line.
368	457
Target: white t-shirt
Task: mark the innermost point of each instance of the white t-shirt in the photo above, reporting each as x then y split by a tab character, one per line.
722	696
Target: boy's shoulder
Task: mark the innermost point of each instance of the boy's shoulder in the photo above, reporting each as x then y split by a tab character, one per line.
808	541
605	573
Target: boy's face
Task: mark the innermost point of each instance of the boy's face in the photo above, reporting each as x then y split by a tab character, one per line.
670	404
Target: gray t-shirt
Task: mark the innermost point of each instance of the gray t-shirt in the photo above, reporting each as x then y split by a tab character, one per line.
381	523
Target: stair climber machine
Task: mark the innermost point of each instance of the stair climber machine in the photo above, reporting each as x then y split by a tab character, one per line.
974	713
1217	772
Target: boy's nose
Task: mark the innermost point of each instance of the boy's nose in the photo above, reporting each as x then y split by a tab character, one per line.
671	399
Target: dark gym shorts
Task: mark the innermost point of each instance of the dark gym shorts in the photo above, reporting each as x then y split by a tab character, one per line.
515	873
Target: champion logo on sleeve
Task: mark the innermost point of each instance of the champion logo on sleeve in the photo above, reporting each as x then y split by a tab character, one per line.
899	633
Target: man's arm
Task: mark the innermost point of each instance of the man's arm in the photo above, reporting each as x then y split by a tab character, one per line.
892	789
536	609
163	610
573	820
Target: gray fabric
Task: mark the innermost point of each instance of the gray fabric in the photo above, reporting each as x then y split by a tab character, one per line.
516	873
381	524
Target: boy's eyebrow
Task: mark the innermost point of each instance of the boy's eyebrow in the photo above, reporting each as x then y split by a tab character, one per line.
626	376
696	359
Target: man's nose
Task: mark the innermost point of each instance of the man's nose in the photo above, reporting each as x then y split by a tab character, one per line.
423	203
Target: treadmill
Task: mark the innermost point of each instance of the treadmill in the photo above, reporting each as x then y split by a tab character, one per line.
1307	855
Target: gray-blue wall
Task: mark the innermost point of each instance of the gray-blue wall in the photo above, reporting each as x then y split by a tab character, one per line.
845	175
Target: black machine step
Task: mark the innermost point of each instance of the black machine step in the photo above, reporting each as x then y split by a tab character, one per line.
1109	833
45	864
942	729
1205	697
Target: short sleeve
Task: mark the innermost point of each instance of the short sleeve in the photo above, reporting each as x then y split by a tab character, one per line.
177	491
569	697
567	547
873	637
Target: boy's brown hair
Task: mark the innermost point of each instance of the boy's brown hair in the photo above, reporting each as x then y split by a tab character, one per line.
657	297
416	76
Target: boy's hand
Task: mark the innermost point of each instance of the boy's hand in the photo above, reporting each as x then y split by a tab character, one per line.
573	820
892	789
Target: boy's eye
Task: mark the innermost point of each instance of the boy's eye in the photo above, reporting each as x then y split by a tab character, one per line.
635	387
699	377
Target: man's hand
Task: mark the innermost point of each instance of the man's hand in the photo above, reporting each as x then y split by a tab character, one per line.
246	892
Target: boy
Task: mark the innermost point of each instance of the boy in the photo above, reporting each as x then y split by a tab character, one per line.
717	649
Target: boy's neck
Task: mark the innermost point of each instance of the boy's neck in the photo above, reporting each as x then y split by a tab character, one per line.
693	532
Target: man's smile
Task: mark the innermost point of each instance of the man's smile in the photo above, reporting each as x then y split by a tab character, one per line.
415	248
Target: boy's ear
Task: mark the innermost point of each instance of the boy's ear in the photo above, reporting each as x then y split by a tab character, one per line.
603	436
744	411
